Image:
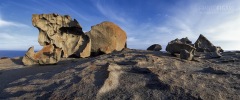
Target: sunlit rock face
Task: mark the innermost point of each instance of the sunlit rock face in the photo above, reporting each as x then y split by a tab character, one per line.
62	32
62	35
107	37
48	55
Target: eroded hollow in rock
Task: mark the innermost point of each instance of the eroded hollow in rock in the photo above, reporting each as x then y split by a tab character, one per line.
64	34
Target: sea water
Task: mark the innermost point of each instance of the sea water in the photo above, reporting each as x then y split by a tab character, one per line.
12	53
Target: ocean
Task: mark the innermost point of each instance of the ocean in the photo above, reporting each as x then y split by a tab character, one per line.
11	53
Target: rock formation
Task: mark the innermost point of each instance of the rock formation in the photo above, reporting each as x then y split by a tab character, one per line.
204	45
62	32
201	48
177	45
155	47
48	55
61	37
106	37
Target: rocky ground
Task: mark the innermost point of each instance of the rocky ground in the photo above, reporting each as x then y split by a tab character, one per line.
130	74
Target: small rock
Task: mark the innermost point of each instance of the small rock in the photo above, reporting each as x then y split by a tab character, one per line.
155	47
4	58
184	54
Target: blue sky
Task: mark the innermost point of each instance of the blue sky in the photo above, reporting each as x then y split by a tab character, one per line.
146	22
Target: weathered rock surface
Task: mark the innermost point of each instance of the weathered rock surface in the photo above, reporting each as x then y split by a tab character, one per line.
213	55
175	46
61	37
48	55
204	45
129	74
107	37
155	47
184	54
186	41
62	32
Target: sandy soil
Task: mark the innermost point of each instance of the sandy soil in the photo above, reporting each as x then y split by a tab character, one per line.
130	74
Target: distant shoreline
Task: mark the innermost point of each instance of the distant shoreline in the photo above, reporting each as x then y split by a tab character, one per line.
12	53
21	53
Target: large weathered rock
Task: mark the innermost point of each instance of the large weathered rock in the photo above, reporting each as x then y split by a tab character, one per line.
155	47
61	37
62	32
204	45
48	55
177	45
107	37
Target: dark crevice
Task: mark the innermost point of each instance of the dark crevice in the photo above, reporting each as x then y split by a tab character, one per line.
72	30
98	53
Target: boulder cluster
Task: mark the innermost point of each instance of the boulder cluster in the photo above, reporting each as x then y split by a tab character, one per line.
62	37
186	50
201	48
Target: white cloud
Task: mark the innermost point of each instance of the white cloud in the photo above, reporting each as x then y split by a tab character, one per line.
68	8
4	23
218	21
131	39
110	12
227	31
17	42
226	34
13	36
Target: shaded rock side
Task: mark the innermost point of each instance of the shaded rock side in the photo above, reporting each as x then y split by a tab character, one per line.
107	37
186	40
204	45
62	32
48	55
184	54
155	47
177	45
